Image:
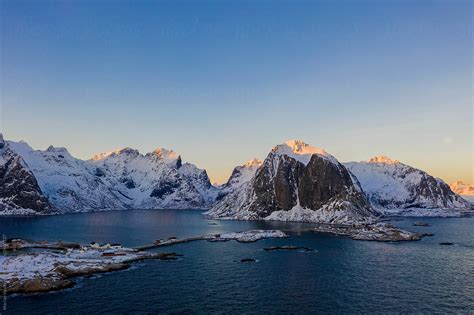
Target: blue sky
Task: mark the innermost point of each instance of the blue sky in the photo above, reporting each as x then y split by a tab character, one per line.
223	81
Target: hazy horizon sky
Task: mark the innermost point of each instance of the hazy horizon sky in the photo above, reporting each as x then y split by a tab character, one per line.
221	82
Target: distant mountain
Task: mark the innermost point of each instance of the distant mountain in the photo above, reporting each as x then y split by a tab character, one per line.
464	190
54	181
395	188
297	182
239	177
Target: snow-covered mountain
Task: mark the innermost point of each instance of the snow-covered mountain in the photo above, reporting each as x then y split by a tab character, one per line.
55	181
464	190
19	190
297	182
395	188
157	179
240	176
68	183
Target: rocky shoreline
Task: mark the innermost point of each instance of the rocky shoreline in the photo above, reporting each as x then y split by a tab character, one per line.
52	270
58	263
380	232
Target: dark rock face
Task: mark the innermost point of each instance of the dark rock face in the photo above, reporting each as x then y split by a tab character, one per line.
432	189
165	188
18	186
312	185
99	172
129	183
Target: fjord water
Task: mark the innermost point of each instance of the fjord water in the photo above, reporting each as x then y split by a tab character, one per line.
343	275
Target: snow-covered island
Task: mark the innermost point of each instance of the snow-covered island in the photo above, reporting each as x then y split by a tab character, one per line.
380	232
250	236
55	267
47	270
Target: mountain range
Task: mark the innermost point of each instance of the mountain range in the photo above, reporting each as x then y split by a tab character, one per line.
295	182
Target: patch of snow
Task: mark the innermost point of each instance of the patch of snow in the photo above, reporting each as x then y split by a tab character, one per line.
301	151
330	213
43	264
252	235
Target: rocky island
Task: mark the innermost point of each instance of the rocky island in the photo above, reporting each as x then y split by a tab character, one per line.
58	263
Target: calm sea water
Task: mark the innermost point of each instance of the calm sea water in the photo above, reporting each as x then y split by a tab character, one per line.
342	276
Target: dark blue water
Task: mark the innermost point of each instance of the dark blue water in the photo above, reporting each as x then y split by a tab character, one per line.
342	276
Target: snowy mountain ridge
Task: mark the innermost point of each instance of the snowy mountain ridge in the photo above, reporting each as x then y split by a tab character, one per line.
120	179
296	181
240	176
399	189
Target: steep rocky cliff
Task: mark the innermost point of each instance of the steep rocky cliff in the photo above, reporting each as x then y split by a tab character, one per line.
19	190
297	182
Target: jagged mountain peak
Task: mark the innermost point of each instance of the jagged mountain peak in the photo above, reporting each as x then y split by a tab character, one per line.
54	149
255	162
294	183
383	159
301	151
165	154
118	152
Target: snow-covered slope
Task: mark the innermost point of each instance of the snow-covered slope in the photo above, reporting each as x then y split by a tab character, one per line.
240	176
297	182
464	190
54	181
68	183
395	188
157	179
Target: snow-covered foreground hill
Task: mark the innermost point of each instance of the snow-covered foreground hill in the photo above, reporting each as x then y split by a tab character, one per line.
58	182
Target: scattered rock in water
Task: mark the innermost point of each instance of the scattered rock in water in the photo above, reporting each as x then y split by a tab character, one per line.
216	240
168	256
289	247
419	223
446	243
213	223
245	260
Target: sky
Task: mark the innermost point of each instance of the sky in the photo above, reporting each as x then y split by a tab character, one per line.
221	82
